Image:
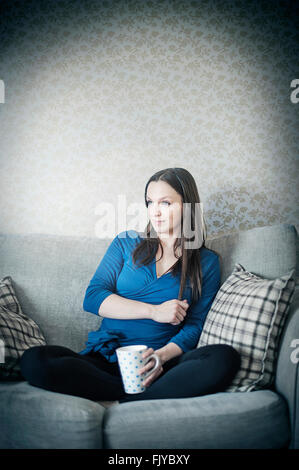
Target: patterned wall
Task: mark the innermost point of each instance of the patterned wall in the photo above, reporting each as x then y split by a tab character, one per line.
99	95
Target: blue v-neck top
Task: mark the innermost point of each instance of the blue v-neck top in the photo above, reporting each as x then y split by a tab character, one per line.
117	274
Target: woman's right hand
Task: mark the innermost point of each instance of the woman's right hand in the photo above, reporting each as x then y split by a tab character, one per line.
172	311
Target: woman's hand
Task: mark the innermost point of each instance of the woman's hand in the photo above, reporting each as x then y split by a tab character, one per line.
172	311
152	377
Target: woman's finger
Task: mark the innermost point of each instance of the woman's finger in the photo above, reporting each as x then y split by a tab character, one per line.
151	378
147	353
147	367
183	312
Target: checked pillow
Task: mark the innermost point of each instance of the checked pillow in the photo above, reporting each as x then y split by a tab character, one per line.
17	332
249	313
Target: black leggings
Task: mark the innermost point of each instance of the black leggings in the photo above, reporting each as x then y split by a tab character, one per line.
205	370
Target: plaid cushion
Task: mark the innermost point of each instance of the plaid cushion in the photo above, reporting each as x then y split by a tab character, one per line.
249	313
17	332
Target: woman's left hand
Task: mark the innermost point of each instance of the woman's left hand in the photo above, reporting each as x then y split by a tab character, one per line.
152	377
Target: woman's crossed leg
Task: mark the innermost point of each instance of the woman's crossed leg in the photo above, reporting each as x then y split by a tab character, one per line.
59	369
202	371
205	370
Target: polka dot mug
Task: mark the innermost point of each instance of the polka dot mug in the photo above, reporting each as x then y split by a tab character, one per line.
130	360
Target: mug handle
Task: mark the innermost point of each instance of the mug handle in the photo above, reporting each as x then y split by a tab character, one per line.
158	362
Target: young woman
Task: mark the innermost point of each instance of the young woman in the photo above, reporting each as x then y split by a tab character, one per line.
154	288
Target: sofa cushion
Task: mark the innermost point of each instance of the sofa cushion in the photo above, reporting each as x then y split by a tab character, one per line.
39	419
257	420
18	332
249	313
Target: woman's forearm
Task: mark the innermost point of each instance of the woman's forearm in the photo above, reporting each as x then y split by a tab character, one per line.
120	308
169	351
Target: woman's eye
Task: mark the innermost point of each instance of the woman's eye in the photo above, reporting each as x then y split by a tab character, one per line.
163	202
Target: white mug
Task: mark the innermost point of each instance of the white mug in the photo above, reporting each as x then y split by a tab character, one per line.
130	360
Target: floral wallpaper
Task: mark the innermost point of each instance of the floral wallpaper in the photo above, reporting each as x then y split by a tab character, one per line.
99	95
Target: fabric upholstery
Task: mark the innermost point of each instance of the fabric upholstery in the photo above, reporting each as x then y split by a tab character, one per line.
256	420
287	371
249	313
17	331
33	418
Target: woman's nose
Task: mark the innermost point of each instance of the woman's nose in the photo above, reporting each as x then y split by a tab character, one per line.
157	210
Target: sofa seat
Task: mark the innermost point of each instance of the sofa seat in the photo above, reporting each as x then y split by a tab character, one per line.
253	420
39	419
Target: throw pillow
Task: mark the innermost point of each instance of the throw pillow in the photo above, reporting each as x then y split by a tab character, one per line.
17	332
249	313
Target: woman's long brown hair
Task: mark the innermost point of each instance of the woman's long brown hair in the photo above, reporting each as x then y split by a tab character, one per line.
189	263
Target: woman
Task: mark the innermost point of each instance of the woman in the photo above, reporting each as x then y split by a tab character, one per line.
154	288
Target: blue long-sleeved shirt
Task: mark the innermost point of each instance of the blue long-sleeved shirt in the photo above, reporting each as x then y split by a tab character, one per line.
117	274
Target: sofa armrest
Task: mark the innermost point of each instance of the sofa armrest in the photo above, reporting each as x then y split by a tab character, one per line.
287	372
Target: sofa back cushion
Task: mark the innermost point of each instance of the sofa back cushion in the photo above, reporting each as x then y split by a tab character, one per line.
50	275
52	272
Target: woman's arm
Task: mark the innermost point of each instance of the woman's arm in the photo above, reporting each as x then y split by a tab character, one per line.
168	352
188	336
100	297
121	308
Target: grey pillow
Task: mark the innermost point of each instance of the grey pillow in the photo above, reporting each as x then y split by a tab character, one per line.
249	313
18	332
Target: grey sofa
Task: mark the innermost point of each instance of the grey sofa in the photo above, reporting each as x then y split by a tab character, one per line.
51	274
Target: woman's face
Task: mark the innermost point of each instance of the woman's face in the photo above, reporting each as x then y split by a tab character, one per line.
164	209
